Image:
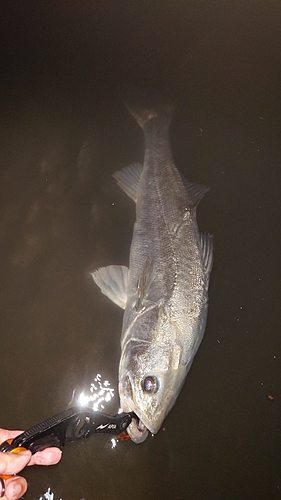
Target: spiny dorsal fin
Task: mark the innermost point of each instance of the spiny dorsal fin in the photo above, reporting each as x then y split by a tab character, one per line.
207	253
128	179
113	281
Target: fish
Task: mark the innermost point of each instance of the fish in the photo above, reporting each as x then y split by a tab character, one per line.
164	291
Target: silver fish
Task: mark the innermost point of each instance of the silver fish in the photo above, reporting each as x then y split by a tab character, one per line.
165	290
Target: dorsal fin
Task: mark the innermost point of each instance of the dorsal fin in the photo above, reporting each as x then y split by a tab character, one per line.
195	191
207	247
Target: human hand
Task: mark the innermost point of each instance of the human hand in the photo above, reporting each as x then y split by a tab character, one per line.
12	463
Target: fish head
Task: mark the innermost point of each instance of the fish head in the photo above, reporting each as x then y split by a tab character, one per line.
150	379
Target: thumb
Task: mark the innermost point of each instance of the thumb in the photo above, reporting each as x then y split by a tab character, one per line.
12	463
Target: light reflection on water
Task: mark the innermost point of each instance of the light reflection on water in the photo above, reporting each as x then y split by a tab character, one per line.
49	495
96	395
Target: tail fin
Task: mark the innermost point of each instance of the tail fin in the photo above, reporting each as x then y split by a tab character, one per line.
144	106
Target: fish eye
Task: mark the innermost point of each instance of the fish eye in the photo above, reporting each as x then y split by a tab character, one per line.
150	384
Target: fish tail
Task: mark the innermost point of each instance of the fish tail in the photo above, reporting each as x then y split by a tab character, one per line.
145	106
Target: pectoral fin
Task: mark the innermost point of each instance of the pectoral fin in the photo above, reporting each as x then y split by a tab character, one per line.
128	179
113	281
144	283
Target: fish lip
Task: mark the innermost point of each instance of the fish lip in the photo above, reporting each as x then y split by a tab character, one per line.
138	430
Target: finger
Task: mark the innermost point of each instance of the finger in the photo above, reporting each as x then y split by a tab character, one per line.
15	488
12	463
5	434
49	456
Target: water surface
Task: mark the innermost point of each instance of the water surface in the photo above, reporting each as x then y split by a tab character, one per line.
64	132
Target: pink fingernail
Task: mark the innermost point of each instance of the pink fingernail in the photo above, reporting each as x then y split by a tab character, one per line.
17	491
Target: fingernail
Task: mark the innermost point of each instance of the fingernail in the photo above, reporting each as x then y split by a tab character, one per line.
17	491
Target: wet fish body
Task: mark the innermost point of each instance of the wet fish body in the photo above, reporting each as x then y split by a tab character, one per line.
165	290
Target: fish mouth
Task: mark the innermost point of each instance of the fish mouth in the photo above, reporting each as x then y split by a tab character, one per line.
137	430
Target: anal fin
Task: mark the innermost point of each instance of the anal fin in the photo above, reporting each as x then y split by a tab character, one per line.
128	179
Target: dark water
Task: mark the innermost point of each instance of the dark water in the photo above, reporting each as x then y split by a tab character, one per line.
63	133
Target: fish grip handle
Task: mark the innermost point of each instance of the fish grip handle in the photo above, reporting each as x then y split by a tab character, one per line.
67	426
50	432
